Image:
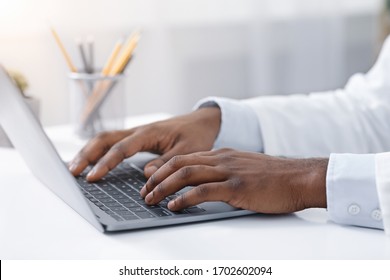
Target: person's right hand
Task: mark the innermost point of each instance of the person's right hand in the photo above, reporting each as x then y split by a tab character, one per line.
181	135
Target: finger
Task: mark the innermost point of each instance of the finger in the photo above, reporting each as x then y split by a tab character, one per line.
185	176
115	155
174	164
155	164
215	191
94	150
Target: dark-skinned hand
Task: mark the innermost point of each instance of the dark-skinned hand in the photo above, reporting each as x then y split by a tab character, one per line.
244	180
185	134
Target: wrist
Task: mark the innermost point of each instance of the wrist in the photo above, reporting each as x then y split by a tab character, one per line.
314	190
210	118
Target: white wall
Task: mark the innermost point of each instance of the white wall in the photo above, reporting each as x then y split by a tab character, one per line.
193	48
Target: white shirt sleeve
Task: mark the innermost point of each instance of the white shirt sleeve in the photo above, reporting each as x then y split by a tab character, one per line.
355	119
382	170
239	125
351	192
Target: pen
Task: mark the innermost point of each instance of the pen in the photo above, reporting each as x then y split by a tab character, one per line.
91	62
82	54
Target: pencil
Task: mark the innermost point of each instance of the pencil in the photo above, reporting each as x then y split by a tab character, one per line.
95	100
120	64
111	59
64	52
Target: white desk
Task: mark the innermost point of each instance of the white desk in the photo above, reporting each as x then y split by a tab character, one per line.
52	230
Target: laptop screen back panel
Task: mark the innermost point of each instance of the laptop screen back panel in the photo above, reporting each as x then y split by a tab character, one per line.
27	136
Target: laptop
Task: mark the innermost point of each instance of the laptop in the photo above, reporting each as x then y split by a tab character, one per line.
110	205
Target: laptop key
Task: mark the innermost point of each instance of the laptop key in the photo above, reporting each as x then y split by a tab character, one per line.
137	209
124	200
141	202
107	200
113	192
100	196
119	197
164	203
145	215
130	205
138	198
112	204
118	208
161	212
149	207
96	191
98	204
104	208
90	188
130	217
130	191
194	210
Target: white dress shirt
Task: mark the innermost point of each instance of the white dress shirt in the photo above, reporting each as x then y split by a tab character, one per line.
349	125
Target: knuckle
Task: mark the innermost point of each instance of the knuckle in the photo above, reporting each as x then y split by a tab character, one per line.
202	191
101	136
119	150
160	190
225	150
182	201
87	153
185	172
225	154
152	180
175	161
234	184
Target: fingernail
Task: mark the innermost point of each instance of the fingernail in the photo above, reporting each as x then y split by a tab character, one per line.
143	191
150	170
149	198
91	173
72	167
171	204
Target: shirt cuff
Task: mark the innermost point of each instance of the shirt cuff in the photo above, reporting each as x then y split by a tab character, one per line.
382	167
239	125
352	197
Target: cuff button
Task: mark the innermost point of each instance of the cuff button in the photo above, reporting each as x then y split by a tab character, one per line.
376	215
354	209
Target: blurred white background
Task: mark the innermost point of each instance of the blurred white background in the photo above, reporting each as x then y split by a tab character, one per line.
193	48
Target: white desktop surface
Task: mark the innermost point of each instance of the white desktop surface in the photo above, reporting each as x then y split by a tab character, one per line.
35	224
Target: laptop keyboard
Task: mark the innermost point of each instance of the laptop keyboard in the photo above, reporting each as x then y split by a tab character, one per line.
117	194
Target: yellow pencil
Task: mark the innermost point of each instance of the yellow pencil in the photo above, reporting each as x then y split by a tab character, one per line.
64	52
112	58
121	62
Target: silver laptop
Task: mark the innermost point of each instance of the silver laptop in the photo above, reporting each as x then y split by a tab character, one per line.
112	204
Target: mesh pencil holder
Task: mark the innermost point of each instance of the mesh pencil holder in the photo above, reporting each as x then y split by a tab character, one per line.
97	103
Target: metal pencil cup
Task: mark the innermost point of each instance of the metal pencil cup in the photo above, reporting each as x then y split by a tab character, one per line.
97	103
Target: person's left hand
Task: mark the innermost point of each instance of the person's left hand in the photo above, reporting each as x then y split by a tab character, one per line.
244	180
